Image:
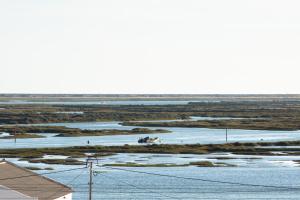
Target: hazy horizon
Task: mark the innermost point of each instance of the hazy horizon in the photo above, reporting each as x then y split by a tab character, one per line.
150	47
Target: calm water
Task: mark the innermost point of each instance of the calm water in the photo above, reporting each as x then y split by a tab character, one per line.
177	136
115	184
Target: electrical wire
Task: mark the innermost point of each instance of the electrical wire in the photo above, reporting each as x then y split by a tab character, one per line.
17	177
76	177
132	185
201	179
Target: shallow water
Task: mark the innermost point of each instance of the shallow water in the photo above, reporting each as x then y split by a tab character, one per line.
116	184
177	136
180	159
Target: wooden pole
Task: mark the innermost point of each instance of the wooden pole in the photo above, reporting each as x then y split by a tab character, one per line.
91	179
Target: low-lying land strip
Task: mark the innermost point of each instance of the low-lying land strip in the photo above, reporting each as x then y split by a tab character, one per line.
98	151
61	131
197	163
280	114
249	124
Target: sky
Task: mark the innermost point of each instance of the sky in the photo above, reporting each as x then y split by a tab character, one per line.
150	46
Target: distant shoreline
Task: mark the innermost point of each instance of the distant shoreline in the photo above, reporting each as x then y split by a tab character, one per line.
5	96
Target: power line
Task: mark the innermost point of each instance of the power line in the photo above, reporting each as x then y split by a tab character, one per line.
76	177
175	192
17	177
157	174
34	188
201	179
132	185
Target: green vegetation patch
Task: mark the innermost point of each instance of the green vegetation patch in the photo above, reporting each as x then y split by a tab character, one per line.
99	151
260	114
211	164
62	131
38	168
131	164
232	158
67	161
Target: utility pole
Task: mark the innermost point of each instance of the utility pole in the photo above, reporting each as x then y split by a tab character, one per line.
90	163
226	136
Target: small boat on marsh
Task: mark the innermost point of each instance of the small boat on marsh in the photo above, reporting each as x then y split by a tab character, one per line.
148	140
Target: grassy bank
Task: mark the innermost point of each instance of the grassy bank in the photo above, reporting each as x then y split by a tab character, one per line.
198	164
81	151
248	124
61	131
261	114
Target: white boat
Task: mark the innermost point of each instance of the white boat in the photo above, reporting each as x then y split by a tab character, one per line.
148	140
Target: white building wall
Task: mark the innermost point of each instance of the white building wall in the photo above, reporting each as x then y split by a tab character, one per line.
6	193
66	197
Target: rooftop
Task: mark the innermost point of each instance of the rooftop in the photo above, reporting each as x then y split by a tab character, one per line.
28	183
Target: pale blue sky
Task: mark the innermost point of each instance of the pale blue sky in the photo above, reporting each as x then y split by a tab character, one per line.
150	46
